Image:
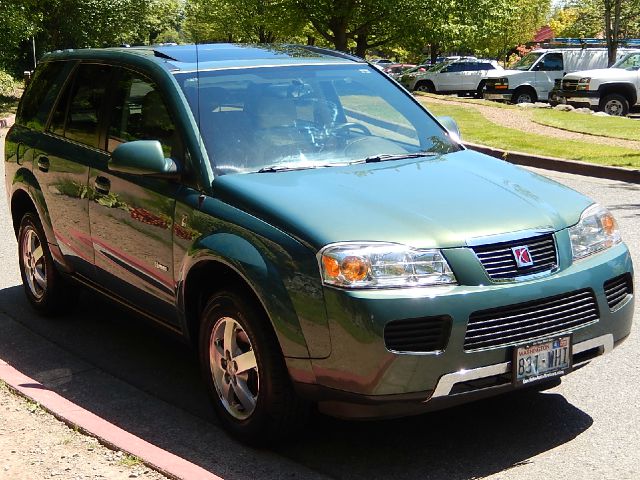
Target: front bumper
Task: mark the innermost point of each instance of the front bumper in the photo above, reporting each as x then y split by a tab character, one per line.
580	97
503	95
361	372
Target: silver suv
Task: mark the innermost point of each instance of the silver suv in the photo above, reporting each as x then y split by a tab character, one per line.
464	76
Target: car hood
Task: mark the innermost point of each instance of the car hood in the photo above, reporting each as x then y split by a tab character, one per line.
604	74
442	201
504	73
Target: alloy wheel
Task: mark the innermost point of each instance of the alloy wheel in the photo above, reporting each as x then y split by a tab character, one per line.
234	368
34	263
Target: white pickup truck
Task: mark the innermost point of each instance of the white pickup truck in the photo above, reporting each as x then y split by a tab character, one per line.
612	90
533	77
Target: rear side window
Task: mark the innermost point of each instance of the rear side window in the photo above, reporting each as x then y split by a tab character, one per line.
41	94
79	111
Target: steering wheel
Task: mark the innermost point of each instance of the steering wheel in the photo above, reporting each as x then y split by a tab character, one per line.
348	126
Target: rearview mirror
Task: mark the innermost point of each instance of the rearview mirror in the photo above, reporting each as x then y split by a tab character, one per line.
142	157
450	125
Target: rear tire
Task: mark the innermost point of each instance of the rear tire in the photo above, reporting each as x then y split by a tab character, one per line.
47	291
245	373
615	105
480	91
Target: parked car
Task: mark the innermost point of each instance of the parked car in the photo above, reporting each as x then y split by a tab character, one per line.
533	77
462	76
310	228
612	90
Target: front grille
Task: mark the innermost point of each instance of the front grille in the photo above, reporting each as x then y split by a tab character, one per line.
512	324
617	290
428	334
500	263
570	84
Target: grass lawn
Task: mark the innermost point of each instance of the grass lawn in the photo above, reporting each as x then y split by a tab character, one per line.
463	100
477	129
613	127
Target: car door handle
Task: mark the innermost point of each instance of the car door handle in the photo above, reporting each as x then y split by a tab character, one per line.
102	185
43	164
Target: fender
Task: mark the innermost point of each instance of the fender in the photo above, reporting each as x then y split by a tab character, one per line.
283	276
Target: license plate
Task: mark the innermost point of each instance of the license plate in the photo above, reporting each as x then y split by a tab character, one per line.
544	359
494	96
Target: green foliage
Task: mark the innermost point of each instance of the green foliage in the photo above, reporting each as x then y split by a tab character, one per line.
8	85
263	21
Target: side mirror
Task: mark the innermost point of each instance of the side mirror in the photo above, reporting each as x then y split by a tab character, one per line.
142	157
451	126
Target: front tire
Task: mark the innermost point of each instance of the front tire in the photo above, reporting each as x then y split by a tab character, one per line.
244	371
615	105
524	95
426	87
44	287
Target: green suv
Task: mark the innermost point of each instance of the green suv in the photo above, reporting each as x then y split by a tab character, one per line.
311	228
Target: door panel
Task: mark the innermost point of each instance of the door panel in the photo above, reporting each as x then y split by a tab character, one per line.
131	216
63	160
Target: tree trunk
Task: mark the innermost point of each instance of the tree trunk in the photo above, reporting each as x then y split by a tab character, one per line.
362	44
311	41
612	28
434	52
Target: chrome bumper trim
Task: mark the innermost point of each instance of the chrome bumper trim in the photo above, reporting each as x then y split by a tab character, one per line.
446	382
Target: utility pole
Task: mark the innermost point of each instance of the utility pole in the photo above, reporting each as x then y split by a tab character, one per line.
33	45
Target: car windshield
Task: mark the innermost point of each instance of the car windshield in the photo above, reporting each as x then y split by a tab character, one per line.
629	62
526	62
438	66
308	116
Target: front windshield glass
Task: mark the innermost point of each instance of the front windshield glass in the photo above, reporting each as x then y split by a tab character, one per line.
305	117
630	62
438	66
526	62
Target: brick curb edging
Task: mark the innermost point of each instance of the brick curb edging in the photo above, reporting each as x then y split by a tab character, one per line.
560	165
105	432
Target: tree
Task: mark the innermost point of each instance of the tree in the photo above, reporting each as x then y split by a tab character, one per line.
361	24
263	21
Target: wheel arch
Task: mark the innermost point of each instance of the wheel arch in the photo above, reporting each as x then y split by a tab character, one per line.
26	196
229	261
625	89
425	81
526	87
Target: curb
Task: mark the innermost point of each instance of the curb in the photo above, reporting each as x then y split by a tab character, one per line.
560	165
107	433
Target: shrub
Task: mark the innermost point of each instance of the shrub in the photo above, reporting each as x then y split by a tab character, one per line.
8	85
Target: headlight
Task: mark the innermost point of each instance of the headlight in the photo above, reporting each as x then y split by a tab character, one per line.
583	83
597	230
382	265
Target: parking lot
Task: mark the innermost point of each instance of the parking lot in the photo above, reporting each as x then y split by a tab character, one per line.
115	365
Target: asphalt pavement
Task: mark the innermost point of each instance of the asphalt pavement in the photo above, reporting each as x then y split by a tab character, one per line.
116	365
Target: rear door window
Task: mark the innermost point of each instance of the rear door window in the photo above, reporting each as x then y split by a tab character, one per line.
78	114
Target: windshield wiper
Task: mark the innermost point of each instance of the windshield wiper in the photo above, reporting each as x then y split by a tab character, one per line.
386	156
290	167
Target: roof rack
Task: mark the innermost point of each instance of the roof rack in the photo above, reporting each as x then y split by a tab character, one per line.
588	42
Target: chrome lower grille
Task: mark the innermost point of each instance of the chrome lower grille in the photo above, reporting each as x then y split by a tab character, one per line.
500	264
617	289
512	324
